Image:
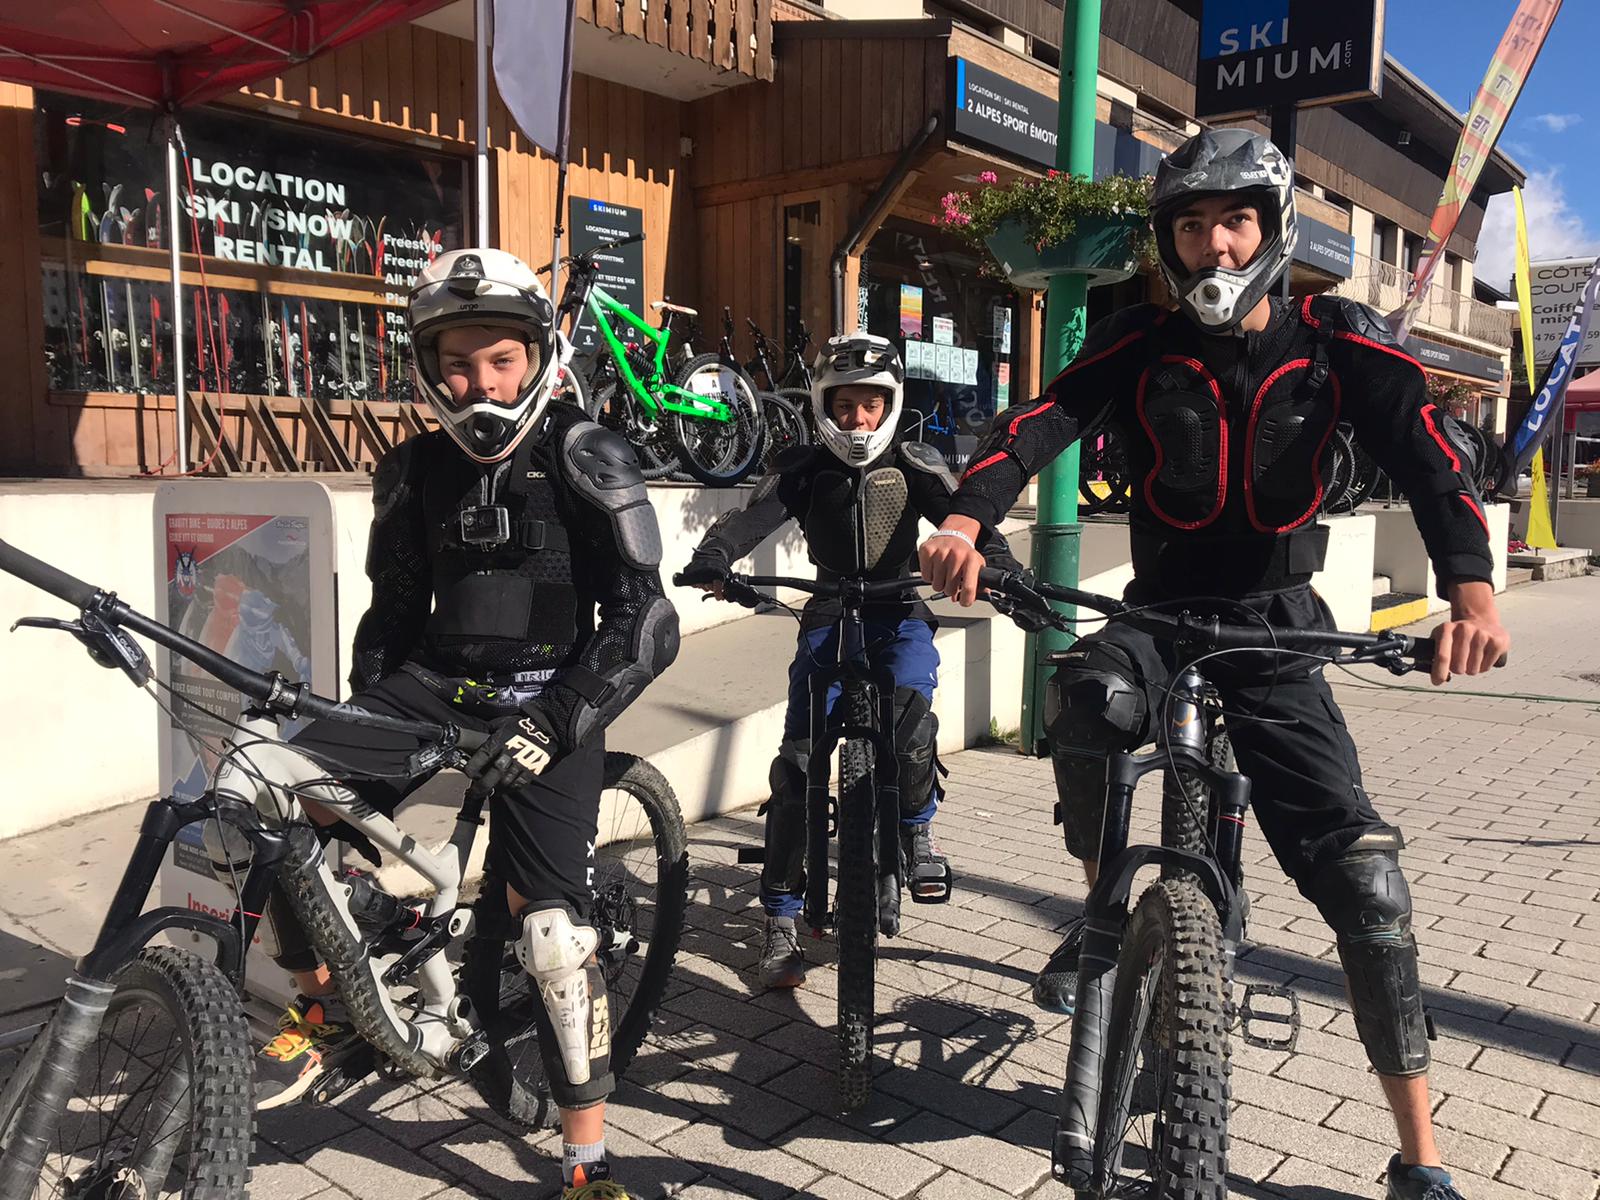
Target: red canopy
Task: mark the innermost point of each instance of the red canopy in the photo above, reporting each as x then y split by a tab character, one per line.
1583	395
173	53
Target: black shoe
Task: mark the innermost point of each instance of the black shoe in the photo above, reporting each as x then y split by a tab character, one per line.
927	871
1419	1183
782	965
1056	987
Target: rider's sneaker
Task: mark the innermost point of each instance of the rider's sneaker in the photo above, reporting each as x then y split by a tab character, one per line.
1056	987
311	1030
592	1181
1419	1183
782	965
927	871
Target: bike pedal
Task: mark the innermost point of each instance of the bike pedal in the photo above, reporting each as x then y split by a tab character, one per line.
1250	1015
933	889
343	1074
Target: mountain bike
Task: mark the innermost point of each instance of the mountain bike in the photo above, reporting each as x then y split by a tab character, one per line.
1104	462
141	1084
786	424
1155	985
865	816
784	368
702	415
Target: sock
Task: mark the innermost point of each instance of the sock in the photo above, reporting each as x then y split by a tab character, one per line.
573	1157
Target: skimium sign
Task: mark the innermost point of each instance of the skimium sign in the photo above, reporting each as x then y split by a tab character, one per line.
1258	54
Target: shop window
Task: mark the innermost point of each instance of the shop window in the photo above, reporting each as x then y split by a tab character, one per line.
957	332
308	243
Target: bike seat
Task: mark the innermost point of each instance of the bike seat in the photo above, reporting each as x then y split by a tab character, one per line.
669	306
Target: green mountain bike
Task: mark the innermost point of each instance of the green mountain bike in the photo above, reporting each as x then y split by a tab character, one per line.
701	415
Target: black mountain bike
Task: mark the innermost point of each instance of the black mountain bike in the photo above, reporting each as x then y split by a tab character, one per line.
865	816
784	415
1155	986
142	1085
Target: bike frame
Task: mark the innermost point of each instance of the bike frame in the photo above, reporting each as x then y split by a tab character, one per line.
655	394
827	732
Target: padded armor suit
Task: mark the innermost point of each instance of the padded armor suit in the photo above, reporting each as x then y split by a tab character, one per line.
1227	439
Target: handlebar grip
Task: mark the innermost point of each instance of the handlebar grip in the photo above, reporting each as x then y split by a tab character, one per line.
45	577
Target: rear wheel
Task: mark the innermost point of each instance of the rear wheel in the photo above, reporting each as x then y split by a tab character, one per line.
856	904
1341	472
612	405
786	428
1163	1127
719	453
640	885
163	1105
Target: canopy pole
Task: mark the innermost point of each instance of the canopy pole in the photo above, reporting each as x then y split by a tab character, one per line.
482	24
174	204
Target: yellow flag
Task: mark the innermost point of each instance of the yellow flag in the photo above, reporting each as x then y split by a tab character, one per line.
1540	535
1525	291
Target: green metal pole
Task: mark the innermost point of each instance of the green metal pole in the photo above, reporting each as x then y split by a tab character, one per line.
1056	530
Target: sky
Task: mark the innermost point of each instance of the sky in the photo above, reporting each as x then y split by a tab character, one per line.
1554	131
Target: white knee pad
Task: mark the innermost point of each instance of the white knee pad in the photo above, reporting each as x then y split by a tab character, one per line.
554	951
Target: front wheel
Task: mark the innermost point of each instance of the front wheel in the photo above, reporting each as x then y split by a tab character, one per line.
719	453
1163	1126
639	894
856	920
163	1103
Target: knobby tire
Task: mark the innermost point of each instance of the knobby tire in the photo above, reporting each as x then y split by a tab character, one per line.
856	903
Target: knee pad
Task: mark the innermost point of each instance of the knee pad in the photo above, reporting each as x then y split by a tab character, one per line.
783	867
1363	897
556	952
916	747
1093	705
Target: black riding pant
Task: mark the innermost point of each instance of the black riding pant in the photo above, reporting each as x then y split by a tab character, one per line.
1305	779
541	836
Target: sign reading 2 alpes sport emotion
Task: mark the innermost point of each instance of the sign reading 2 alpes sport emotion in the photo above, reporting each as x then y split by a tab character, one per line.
594	223
994	111
1257	54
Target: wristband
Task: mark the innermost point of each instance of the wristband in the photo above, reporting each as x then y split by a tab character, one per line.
953	533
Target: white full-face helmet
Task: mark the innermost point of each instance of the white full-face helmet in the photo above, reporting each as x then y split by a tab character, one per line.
866	360
493	288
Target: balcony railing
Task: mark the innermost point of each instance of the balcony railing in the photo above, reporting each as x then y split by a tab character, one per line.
1383	286
732	35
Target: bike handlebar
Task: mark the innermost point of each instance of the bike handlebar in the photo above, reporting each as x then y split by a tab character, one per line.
273	691
588	256
741	589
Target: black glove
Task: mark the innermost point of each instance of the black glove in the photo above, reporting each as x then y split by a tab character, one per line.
519	748
702	569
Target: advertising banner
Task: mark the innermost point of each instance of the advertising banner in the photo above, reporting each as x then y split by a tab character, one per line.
247	570
594	223
1258	54
1545	412
1554	288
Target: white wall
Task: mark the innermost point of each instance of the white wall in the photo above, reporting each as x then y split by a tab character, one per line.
1400	555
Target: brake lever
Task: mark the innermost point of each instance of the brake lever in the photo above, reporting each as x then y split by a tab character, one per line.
107	645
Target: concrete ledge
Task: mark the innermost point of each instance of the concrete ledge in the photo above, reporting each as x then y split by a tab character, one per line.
1562	563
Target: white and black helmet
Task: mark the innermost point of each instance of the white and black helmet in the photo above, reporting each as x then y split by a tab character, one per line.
867	360
484	287
1224	162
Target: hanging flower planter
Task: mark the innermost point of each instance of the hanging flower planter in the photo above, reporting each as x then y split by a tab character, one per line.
1104	249
1035	229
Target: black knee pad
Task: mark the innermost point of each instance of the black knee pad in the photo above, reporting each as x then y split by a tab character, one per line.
783	868
1080	801
1362	895
916	746
1094	704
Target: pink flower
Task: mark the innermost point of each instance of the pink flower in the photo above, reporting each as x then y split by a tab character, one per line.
1054	174
988	177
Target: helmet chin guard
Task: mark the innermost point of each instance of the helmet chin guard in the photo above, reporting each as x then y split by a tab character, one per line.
485	288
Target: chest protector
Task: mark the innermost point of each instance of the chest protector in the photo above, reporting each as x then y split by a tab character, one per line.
860	522
502	559
1233	465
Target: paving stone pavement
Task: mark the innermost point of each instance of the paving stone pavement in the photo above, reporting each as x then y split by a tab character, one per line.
733	1094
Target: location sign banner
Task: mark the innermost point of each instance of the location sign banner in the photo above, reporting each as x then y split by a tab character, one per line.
1508	71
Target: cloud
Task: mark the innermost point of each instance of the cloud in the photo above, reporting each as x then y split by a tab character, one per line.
1555	229
1558	122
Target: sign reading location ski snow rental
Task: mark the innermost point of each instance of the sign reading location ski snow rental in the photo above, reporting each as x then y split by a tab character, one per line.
1257	54
594	223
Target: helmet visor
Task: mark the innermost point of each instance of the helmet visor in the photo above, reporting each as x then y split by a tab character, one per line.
855	357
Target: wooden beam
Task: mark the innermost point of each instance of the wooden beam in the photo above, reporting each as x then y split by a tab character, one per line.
864	170
279	453
321	432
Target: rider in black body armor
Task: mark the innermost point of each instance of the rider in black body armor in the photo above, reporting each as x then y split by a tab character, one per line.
857	497
1226	407
494	541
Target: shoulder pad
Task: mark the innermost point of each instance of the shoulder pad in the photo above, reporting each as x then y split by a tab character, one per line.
1342	315
604	471
920	456
599	456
